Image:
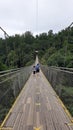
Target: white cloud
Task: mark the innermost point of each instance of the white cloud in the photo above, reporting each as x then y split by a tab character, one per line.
18	16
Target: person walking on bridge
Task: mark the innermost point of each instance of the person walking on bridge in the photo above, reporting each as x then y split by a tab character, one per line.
37	67
34	70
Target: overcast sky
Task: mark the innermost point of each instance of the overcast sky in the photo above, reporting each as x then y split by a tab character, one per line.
19	16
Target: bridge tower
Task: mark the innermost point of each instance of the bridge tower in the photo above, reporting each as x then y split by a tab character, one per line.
6	36
66	46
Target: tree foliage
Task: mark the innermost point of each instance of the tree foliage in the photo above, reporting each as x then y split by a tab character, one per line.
54	49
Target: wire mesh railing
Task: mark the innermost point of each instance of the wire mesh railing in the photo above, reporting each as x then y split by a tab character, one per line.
58	75
10	86
61	80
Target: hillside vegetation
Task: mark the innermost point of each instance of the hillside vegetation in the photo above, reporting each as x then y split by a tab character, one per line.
54	49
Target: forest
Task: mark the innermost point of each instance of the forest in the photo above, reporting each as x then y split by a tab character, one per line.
54	49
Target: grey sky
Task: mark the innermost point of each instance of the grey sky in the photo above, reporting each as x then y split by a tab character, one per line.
19	16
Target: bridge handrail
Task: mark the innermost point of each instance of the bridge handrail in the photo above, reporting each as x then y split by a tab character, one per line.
56	75
6	71
62	68
10	87
10	73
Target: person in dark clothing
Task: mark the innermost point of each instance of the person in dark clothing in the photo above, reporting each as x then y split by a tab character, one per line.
37	67
34	70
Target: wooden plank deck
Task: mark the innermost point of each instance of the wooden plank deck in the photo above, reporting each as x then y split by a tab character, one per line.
37	108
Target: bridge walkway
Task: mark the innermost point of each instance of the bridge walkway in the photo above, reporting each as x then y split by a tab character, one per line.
37	108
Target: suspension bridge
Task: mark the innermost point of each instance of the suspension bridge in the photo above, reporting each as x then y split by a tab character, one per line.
37	106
